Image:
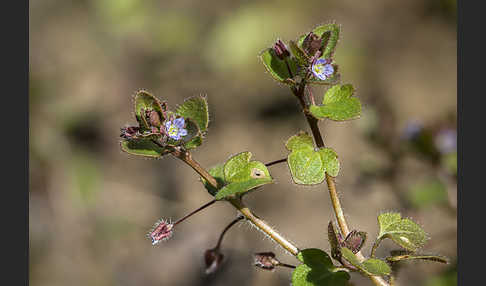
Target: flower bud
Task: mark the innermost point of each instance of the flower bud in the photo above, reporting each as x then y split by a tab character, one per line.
266	260
311	44
355	240
281	50
129	132
162	231
213	259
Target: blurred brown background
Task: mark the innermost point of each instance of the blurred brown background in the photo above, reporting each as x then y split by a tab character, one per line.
91	205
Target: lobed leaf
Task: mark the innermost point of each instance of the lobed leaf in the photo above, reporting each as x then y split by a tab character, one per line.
338	104
317	270
242	175
306	165
217	173
402	231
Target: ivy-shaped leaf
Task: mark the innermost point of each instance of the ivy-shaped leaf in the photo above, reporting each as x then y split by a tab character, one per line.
217	173
317	270
143	147
277	67
338	104
308	166
402	231
242	175
370	266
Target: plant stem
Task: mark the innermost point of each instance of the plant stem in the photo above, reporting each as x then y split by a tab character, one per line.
276	162
193	212
331	185
186	157
226	229
263	226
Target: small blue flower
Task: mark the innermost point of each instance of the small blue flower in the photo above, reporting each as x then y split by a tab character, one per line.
446	141
322	69
175	128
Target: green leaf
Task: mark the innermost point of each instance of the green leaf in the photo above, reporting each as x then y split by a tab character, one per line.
193	143
308	166
277	67
238	188
370	266
142	147
302	58
217	173
376	267
434	258
317	270
329	161
146	101
402	231
329	40
242	175
195	108
338	104
300	141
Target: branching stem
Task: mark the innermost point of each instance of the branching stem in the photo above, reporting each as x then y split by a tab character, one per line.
186	157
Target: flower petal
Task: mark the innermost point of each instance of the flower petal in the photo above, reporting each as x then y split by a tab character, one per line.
179	122
182	132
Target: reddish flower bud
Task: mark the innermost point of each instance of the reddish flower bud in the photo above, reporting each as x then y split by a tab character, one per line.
266	260
213	259
311	44
162	231
281	50
129	132
355	240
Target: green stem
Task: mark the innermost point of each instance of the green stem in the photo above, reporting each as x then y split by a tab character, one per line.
331	185
375	246
186	157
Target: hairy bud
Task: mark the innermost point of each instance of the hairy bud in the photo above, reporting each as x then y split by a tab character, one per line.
162	231
266	260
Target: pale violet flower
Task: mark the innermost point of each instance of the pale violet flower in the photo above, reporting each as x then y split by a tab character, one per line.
175	128
322	69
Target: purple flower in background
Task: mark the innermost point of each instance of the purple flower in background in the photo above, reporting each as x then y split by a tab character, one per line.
446	141
412	130
322	69
175	128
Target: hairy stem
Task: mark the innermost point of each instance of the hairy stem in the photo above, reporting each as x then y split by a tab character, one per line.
186	157
331	185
